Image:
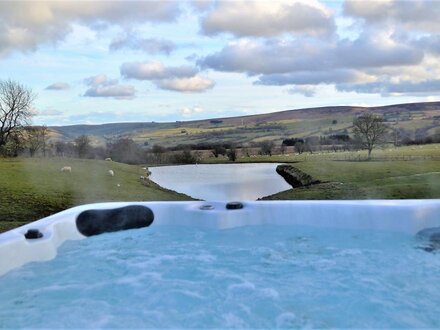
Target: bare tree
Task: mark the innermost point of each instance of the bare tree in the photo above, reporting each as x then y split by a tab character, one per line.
245	151
15	144
232	154
64	149
283	149
299	147
36	139
218	150
158	151
369	130
15	108
266	147
126	151
44	138
399	134
82	144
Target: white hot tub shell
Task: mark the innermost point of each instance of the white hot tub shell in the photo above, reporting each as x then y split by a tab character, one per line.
410	216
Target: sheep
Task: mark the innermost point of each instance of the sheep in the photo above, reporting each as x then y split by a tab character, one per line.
108	159
147	171
66	169
111	173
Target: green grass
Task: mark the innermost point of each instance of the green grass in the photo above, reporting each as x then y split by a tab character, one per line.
34	188
386	153
393	173
8	225
366	180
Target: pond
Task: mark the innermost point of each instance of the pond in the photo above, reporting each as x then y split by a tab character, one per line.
221	182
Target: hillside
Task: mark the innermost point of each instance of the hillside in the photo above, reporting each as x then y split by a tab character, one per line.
413	119
34	188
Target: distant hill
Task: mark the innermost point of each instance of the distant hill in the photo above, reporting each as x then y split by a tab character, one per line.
73	131
414	119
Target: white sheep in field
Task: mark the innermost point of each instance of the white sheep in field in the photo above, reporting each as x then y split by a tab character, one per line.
108	159
147	171
66	169
111	173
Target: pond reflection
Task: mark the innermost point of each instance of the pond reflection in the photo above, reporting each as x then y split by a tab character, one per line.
221	181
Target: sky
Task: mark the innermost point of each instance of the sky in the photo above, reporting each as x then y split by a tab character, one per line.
93	62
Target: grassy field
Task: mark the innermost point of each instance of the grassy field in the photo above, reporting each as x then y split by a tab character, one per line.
368	180
393	173
34	188
388	153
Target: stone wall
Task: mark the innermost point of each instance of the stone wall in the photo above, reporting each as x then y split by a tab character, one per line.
295	177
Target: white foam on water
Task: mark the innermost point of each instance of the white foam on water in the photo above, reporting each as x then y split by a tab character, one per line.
249	277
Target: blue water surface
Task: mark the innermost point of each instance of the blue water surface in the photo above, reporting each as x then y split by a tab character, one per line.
249	277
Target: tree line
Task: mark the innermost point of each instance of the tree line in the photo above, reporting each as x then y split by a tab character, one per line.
18	137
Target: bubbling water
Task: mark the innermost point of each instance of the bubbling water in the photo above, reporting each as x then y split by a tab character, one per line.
249	277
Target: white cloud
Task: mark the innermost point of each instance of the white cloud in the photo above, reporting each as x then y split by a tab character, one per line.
389	88
188	112
115	91
58	86
314	77
100	79
152	70
269	18
372	57
102	86
201	5
283	56
148	45
48	113
430	44
24	25
194	84
372	10
306	90
380	60
415	14
179	78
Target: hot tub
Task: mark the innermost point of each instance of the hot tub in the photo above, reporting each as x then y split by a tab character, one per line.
320	264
